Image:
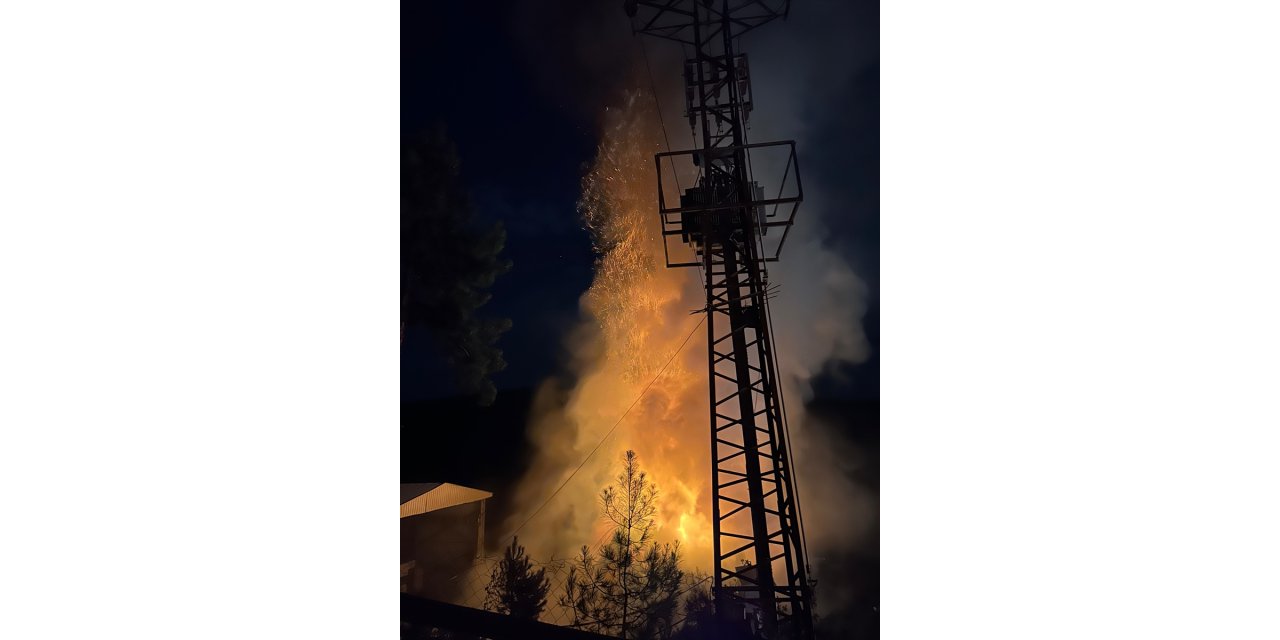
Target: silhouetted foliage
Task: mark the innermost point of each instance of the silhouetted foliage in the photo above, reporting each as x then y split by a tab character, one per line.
699	620
632	589
447	265
515	588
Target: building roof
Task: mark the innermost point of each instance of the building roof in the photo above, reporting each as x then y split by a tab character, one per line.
425	497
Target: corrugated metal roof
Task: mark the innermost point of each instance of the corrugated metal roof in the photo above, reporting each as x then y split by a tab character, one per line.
417	499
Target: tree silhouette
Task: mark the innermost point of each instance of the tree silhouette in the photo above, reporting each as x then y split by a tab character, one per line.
447	264
515	588
699	620
632	589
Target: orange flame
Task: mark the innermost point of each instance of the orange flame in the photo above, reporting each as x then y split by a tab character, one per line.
636	320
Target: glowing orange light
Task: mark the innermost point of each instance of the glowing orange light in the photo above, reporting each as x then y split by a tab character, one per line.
636	316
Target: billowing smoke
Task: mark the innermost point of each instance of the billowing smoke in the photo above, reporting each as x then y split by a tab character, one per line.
636	314
636	319
815	82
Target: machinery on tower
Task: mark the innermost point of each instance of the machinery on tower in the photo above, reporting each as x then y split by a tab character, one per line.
723	222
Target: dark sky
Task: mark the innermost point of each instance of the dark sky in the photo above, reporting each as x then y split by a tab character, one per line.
515	84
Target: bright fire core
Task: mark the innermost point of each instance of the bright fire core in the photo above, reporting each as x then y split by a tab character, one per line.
638	339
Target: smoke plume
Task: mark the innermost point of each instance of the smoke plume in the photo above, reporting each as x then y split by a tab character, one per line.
636	315
636	318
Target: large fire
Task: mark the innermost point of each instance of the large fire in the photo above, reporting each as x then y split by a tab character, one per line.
636	321
639	340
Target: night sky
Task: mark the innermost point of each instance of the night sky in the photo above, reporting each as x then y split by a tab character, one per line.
507	82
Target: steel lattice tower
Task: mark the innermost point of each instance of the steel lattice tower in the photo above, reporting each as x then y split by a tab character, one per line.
724	219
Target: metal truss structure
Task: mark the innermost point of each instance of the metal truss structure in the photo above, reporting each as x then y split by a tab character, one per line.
761	569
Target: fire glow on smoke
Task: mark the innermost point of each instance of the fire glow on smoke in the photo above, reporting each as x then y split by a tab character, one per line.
636	315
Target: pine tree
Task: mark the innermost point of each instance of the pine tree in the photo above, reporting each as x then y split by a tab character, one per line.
632	589
448	264
514	588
